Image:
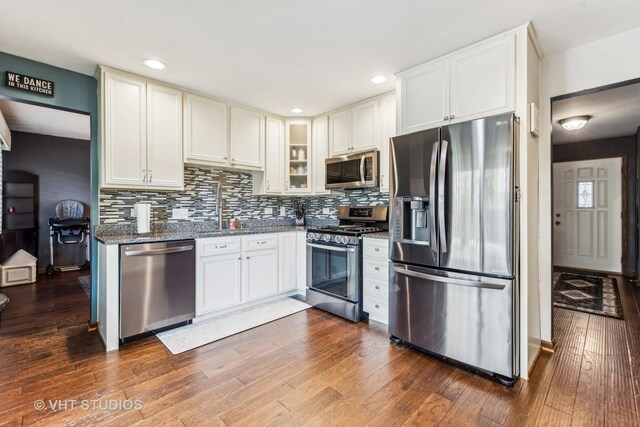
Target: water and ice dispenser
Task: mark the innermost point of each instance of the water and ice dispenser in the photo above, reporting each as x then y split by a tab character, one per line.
412	225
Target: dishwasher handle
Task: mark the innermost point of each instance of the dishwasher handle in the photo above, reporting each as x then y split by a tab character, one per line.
160	251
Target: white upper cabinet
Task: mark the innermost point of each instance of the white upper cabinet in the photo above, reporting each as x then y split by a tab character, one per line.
483	79
142	133
365	121
340	133
246	138
206	138
424	96
124	139
320	135
164	137
274	164
474	82
387	131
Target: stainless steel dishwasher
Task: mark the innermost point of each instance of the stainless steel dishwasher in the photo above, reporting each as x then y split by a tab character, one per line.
157	286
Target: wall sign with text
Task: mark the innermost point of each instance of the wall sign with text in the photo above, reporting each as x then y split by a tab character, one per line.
28	83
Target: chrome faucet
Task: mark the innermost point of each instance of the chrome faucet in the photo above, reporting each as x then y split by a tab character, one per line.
219	203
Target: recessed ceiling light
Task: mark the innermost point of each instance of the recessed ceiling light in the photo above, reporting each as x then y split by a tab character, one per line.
296	110
574	123
155	64
378	79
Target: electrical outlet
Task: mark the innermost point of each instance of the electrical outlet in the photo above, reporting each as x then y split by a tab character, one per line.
326	211
283	211
133	212
268	211
181	213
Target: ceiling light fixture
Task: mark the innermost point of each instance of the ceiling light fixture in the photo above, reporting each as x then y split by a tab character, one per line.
574	123
378	79
155	64
296	110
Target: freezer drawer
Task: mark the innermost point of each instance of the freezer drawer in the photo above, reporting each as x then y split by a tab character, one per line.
465	318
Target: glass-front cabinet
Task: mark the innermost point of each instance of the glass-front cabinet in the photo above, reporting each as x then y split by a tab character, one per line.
298	139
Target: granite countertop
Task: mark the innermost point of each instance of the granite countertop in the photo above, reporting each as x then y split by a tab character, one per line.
184	235
381	235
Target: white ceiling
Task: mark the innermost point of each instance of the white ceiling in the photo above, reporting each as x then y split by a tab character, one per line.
615	112
281	53
23	117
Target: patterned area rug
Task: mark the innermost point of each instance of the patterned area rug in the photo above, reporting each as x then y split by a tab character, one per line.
85	282
590	294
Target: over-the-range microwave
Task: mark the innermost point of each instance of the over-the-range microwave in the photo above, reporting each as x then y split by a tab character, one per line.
358	170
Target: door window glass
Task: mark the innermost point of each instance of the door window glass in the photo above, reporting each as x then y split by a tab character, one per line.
585	195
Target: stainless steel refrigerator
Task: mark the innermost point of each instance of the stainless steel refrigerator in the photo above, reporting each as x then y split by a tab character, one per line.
453	243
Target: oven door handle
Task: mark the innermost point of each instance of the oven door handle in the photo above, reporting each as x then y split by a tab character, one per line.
332	248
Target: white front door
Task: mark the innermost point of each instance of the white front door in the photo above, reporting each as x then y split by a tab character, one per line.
587	200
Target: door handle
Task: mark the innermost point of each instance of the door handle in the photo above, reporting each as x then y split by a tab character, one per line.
362	160
432	196
461	282
159	251
557	222
331	248
441	196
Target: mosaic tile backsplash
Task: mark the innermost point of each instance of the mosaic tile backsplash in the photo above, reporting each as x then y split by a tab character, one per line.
199	198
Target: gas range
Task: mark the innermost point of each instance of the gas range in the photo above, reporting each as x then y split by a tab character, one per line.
334	277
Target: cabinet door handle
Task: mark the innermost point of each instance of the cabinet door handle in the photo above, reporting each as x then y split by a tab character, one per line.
446	117
378	287
144	175
377	249
452	116
150	175
377	306
377	268
247	258
239	258
264	242
221	246
225	157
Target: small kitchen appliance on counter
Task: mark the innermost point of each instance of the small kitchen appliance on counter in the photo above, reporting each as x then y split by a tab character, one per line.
334	260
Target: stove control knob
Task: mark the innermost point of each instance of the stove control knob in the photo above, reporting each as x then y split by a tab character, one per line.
326	237
315	236
343	239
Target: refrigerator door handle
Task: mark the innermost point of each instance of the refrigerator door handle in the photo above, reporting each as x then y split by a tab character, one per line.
469	283
432	196
442	226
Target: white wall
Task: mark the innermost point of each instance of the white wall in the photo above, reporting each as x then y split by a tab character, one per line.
602	62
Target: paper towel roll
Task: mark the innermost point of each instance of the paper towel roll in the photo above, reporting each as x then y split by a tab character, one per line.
143	216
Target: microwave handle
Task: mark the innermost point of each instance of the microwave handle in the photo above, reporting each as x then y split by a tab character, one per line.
362	162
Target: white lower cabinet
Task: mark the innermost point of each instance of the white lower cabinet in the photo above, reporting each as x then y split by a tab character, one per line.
287	255
260	276
301	261
219	279
235	270
375	275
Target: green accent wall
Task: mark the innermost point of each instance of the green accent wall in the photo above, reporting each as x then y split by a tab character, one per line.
72	91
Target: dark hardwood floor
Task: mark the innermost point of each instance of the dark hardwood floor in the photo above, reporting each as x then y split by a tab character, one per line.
307	369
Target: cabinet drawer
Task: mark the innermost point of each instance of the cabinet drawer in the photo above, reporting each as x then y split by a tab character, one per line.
378	248
375	268
378	310
261	241
219	246
376	288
